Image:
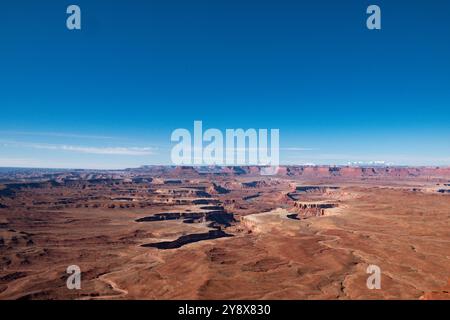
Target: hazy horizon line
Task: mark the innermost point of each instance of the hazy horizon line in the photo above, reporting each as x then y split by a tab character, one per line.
227	166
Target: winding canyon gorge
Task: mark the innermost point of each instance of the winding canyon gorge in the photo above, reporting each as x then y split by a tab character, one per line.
160	232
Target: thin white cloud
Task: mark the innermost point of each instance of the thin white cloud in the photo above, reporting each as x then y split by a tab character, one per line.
55	134
63	164
130	151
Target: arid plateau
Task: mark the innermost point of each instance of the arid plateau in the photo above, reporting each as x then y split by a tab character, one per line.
155	232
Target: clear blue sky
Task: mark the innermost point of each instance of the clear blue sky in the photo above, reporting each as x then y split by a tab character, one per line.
110	95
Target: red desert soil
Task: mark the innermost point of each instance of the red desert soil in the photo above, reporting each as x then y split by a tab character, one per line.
162	234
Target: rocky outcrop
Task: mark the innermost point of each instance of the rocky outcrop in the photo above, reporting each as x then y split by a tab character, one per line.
312	205
322	189
310	209
217	218
217	189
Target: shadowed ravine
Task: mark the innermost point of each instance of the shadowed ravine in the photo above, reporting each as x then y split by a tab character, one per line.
183	240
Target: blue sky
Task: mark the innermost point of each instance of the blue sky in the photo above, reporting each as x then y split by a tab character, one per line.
109	95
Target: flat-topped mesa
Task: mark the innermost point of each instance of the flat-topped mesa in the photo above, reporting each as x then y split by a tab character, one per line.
304	209
322	189
314	205
254	184
217	189
186	192
260	183
218	217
